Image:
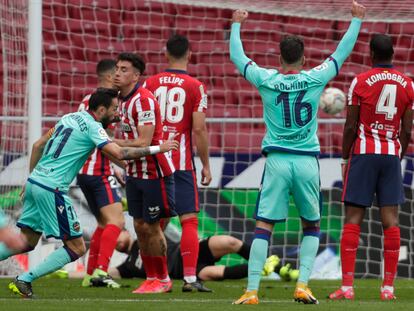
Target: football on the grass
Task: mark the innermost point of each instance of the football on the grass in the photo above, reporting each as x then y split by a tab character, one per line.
332	100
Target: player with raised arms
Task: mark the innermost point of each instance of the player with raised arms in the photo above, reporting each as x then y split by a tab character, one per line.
55	160
376	135
290	99
183	103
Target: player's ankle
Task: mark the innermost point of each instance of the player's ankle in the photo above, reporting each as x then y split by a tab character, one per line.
345	288
190	279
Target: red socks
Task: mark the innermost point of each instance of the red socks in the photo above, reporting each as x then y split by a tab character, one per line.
160	264
391	253
108	243
349	247
150	269
189	245
94	250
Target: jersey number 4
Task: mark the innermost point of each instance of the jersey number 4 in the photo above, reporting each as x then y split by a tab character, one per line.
171	103
386	101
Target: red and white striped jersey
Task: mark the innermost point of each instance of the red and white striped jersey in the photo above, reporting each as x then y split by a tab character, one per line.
383	95
140	108
96	164
179	95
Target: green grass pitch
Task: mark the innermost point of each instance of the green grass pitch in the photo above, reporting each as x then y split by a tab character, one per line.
63	295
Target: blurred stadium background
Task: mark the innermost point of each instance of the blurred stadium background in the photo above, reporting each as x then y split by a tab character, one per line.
78	33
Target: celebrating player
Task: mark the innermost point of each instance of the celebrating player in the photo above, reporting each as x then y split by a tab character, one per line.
290	100
55	160
376	136
183	103
98	184
149	184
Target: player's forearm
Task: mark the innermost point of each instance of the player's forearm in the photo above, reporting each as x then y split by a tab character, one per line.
237	55
348	41
130	153
405	138
201	137
132	142
114	160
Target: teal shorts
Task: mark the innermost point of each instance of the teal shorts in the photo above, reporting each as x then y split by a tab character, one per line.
286	174
49	211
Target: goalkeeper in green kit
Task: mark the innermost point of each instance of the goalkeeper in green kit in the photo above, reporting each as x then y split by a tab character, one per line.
290	100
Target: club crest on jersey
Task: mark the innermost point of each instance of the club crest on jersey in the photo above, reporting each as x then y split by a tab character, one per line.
125	127
146	117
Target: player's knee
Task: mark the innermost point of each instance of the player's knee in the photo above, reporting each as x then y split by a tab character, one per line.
388	223
233	244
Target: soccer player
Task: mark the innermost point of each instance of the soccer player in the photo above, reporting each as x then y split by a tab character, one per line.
55	160
149	183
9	240
211	250
376	136
97	181
290	98
183	103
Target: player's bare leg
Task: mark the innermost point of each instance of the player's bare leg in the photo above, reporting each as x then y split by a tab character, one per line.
389	218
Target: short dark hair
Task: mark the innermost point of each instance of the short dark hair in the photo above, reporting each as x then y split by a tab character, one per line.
381	47
178	46
135	59
292	49
102	97
104	66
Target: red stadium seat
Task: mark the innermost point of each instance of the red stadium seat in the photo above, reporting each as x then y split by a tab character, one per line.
199	23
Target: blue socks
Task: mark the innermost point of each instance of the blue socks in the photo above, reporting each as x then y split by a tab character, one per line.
258	254
308	250
53	262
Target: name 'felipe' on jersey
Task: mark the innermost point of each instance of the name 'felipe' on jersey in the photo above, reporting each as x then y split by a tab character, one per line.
140	108
383	95
179	95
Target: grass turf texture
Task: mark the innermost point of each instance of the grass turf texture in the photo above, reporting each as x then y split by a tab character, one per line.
62	295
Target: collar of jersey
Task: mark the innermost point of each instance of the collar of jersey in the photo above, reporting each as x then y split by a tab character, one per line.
291	72
92	115
136	87
383	66
176	71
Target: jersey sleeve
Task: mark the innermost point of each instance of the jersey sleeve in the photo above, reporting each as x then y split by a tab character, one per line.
249	69
330	67
98	135
353	98
200	100
145	111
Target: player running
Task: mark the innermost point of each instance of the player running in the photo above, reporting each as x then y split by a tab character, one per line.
55	160
183	104
290	98
376	136
97	181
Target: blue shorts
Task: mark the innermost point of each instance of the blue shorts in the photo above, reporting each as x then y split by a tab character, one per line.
49	211
186	192
370	174
99	191
150	199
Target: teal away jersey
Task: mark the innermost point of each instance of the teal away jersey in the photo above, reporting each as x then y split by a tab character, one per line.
76	135
290	101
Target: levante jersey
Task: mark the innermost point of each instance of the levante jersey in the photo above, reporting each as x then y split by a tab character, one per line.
291	99
140	108
96	164
383	94
74	138
179	95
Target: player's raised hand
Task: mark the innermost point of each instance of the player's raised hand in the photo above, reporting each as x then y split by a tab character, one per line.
239	16
358	10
